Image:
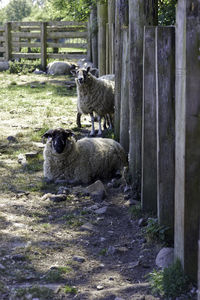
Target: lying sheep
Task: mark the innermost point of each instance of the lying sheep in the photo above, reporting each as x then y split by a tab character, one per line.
94	95
82	161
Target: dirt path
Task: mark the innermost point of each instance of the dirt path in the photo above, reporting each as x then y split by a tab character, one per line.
80	248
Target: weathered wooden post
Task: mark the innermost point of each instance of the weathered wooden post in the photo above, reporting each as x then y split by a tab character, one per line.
43	41
165	94
94	35
124	107
187	157
102	11
8	44
141	12
111	24
149	133
121	7
198	270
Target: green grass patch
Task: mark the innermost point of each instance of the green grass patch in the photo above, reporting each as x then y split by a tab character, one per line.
70	290
170	282
36	292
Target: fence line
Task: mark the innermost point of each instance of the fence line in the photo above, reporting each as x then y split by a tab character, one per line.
33	40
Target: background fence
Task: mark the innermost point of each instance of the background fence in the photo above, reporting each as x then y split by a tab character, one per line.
43	40
157	109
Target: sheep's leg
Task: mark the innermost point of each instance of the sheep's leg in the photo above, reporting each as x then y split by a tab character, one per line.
110	122
105	122
92	133
100	130
78	120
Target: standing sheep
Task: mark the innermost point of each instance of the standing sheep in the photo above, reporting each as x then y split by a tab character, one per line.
81	161
94	95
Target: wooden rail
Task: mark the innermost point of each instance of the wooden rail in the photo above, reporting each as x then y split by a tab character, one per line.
43	40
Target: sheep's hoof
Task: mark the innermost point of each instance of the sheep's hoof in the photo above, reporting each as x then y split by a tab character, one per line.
99	134
92	134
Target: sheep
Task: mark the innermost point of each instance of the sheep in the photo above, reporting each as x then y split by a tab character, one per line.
94	95
81	161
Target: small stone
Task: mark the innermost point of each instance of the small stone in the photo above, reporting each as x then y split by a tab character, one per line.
93	207
79	259
101	210
117	298
100	287
142	222
133	265
97	191
102	239
58	198
111	250
122	250
19	257
2	267
63	190
12	139
88	227
165	257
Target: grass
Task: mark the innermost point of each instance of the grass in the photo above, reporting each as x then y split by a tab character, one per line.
30	105
170	282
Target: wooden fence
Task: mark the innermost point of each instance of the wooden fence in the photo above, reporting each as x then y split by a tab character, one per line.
157	109
43	40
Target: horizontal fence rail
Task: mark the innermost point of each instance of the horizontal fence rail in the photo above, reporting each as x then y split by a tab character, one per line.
43	40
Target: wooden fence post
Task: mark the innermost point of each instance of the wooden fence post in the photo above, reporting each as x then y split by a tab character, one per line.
149	134
187	157
121	9
102	21
141	12
165	79
198	293
111	24
124	114
8	41
43	37
94	35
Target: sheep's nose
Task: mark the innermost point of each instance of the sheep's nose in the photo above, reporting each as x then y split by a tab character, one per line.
80	80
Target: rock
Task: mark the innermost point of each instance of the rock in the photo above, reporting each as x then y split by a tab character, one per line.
92	208
31	155
19	257
79	259
122	250
100	287
165	257
12	139
111	250
38	72
4	65
97	191
102	239
63	190
134	264
142	222
117	298
58	198
59	68
101	210
88	227
2	267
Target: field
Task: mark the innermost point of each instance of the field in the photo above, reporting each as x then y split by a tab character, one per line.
60	250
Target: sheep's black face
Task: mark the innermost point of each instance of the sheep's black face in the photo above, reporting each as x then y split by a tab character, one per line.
59	143
58	139
82	75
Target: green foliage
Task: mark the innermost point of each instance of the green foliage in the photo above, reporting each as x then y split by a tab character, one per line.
135	211
16	10
155	232
170	282
22	67
36	292
166	12
70	290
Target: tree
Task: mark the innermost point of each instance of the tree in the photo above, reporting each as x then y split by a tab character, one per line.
16	10
166	12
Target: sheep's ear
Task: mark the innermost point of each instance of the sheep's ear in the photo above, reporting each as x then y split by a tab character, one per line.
48	133
68	133
73	72
88	69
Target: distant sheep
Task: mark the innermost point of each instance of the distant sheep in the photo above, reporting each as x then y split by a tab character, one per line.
59	68
94	95
82	161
